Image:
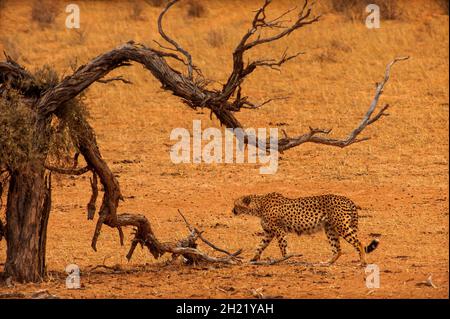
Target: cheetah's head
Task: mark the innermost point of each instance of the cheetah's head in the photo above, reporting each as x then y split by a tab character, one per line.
246	205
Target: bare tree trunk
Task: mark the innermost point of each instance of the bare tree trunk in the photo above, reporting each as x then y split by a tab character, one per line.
27	213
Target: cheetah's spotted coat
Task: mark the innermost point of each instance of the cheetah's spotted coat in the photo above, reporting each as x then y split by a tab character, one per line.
280	215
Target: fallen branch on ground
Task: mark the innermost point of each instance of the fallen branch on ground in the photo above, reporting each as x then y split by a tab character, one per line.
274	261
186	247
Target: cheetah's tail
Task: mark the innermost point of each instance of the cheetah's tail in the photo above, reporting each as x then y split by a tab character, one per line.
372	246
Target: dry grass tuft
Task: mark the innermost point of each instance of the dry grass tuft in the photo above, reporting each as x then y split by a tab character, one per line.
66	128
340	46
44	12
195	9
326	56
137	10
16	131
216	38
79	36
46	76
19	140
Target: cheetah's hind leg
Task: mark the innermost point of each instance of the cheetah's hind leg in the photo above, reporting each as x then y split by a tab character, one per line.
351	237
333	239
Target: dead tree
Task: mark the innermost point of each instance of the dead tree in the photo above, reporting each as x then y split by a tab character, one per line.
29	182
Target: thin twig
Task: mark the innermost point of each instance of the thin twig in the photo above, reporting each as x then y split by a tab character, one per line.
117	78
173	42
274	261
199	235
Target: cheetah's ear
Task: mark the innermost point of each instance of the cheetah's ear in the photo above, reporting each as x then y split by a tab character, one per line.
246	200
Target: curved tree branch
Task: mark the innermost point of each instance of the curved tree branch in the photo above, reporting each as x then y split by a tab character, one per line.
84	137
312	137
173	42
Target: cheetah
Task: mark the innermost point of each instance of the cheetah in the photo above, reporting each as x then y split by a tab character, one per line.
280	215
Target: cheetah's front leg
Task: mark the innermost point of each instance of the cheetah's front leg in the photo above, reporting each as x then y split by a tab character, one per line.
268	236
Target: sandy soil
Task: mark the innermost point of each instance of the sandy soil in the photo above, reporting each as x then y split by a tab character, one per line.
399	177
